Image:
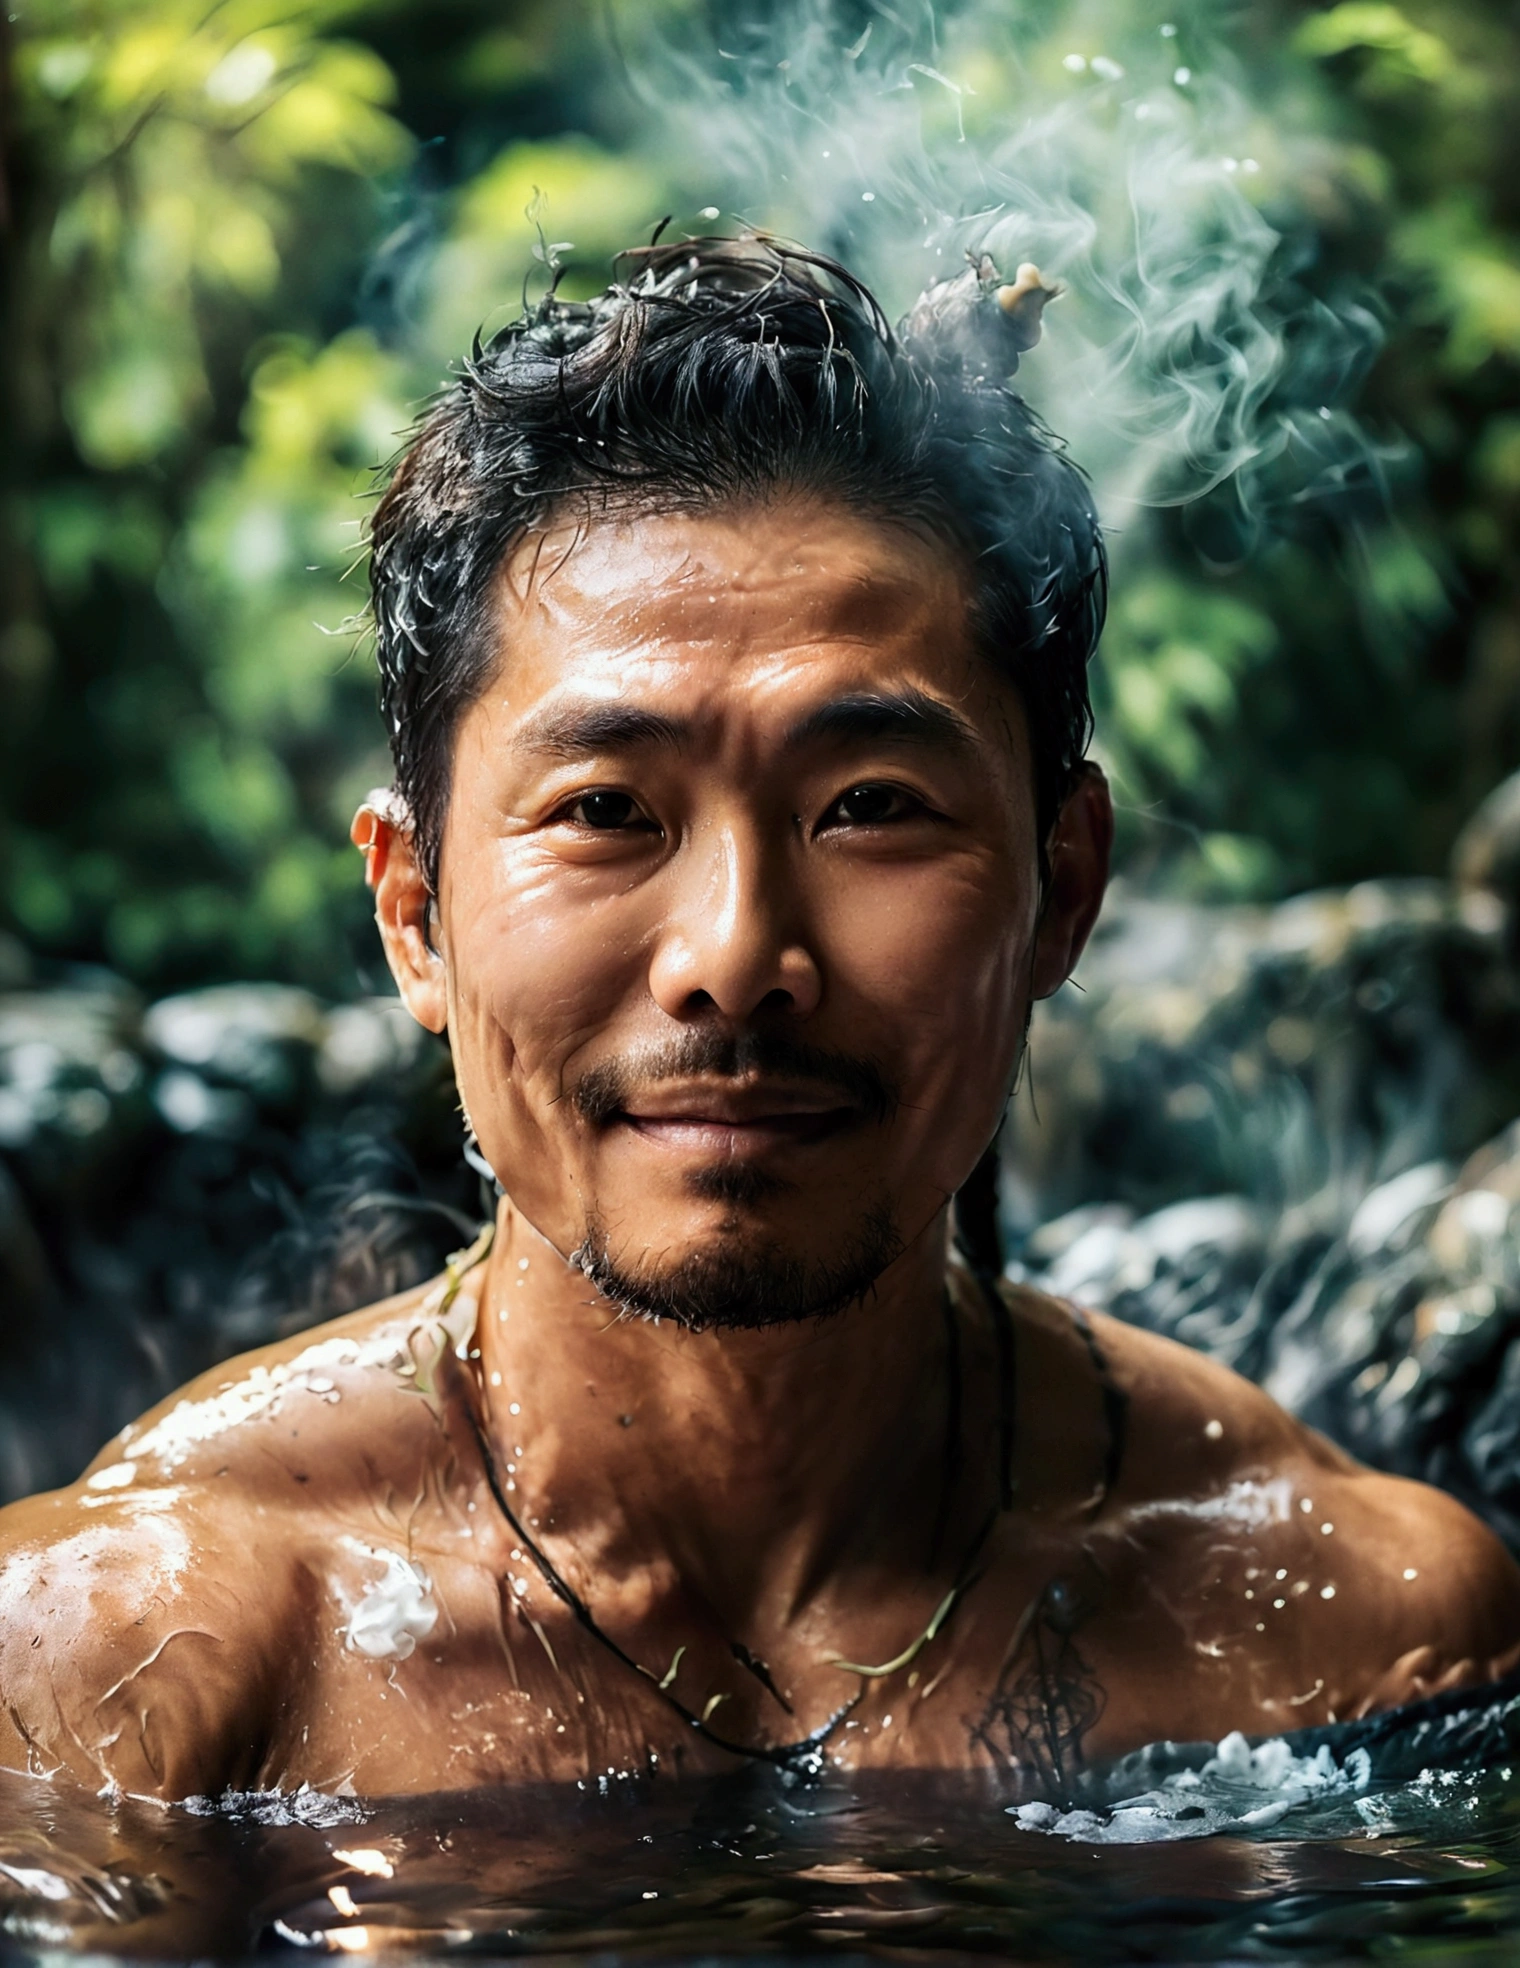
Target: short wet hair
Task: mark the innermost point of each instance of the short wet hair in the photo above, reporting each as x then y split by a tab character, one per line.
713	371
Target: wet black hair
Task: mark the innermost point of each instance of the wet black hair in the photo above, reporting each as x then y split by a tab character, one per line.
719	370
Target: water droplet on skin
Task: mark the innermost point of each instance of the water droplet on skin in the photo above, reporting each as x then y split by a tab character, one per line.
1261	1626
514	1407
1326	1529
522	1264
1280	1576
1327	1592
1410	1572
495	1378
1214	1430
1278	1604
1249	1593
1306	1505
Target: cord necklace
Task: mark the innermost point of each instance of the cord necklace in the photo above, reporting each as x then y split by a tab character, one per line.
804	1759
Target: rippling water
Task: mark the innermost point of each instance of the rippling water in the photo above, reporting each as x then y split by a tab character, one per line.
1399	1838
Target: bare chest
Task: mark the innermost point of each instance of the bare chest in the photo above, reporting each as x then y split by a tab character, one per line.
449	1670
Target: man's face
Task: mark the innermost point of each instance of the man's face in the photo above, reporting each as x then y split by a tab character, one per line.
737	906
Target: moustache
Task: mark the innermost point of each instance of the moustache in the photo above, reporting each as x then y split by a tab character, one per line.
605	1091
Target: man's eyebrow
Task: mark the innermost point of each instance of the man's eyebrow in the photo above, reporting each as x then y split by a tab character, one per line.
907	717
571	731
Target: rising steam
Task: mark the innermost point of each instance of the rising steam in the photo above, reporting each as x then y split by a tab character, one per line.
1190	354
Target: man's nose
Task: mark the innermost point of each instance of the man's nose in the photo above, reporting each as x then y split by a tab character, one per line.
733	938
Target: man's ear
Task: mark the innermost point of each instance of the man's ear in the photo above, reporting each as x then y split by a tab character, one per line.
1079	847
383	830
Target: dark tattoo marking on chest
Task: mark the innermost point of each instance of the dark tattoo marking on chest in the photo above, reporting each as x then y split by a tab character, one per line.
1047	1697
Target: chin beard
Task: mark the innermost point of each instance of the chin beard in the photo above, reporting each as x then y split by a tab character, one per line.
739	1284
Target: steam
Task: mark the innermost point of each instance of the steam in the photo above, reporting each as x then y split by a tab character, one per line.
1190	355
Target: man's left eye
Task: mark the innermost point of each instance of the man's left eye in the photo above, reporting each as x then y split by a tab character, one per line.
870	806
607	812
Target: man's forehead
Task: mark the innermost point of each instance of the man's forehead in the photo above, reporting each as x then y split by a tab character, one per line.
788	570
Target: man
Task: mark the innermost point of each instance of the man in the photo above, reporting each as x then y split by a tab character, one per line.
734	654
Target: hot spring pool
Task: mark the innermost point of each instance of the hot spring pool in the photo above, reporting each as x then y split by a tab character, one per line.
1398	1838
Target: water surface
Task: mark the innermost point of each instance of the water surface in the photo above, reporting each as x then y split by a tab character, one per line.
1398	1839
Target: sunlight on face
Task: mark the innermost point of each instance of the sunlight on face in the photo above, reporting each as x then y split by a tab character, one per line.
737	898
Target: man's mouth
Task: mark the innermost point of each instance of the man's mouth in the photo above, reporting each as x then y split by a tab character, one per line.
735	1120
732	1094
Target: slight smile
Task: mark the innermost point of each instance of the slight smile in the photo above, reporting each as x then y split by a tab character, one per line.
734	1120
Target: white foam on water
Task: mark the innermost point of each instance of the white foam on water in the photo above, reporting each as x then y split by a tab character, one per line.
1242	1787
303	1806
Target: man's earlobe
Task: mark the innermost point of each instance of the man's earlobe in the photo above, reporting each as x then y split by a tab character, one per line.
383	832
1079	848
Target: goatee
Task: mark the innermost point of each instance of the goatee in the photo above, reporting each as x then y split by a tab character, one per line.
743	1285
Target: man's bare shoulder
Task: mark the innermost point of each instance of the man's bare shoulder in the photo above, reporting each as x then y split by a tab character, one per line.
1395	1587
256	1421
145	1610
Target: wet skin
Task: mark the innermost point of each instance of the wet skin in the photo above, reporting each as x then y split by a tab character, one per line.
737	775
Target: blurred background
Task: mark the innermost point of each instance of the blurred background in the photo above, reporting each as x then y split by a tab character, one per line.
245	241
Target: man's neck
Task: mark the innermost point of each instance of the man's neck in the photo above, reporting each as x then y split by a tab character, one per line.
750	1466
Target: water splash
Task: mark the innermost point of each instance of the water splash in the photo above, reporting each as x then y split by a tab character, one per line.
1241	1788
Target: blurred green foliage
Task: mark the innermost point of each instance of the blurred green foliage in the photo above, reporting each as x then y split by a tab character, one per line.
245	242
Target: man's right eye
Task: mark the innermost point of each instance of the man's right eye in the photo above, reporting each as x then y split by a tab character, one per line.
607	812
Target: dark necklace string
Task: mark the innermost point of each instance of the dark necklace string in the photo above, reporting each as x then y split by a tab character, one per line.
1115	1411
788	1756
1008	1388
950	1476
805	1757
979	1254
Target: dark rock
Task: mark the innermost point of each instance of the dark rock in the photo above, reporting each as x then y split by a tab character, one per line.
1398	1335
1273	1053
174	1186
257	1041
